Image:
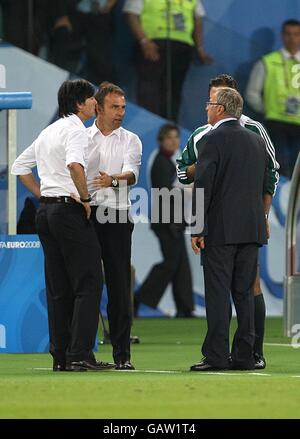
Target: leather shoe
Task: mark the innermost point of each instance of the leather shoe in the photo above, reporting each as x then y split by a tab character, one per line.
59	367
84	365
204	366
260	362
124	365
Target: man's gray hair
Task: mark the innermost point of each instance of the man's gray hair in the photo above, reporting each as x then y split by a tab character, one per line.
231	100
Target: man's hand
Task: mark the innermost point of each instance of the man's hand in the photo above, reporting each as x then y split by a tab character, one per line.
102	181
198	244
150	50
204	57
63	21
268	228
86	205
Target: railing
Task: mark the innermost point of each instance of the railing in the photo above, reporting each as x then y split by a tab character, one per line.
12	102
292	278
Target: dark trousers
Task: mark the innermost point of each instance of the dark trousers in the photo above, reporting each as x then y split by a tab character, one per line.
174	269
92	36
73	279
115	241
229	268
286	139
153	81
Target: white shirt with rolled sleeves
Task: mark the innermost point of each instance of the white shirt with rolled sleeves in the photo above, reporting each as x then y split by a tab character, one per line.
119	152
61	143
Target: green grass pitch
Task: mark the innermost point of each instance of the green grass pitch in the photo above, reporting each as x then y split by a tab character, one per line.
161	387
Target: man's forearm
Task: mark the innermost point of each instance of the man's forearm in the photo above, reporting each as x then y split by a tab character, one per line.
128	176
136	27
190	172
267	202
31	184
79	179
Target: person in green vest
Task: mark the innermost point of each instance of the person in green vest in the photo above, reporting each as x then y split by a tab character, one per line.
274	90
167	31
186	172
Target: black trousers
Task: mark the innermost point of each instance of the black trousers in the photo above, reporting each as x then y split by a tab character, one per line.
73	279
153	81
174	268
229	268
115	241
286	139
92	35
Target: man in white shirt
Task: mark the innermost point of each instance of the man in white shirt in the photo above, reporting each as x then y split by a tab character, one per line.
114	159
274	90
72	252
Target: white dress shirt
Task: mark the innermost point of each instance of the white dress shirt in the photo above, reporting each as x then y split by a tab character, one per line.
61	143
136	7
119	152
227	119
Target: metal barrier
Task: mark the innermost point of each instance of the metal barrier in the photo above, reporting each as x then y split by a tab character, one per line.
292	278
12	102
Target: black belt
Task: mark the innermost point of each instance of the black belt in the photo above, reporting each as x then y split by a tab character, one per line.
67	200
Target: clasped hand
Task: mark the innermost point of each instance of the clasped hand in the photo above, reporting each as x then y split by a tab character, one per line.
102	181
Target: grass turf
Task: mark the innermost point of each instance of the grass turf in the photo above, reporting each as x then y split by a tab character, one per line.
29	390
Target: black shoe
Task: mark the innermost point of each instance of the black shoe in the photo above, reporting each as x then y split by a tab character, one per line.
59	367
84	365
134	339
236	365
185	315
204	366
124	365
260	362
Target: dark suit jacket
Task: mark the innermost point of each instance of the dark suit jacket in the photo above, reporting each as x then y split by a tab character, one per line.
231	168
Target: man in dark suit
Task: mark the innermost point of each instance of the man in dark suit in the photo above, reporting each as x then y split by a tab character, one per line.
231	168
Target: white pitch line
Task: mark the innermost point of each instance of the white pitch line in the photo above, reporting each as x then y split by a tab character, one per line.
260	374
153	371
112	370
174	372
285	345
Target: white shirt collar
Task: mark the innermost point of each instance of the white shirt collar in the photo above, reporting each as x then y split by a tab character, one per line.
75	119
95	130
216	125
287	55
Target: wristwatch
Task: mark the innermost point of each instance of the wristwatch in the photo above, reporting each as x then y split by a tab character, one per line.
86	200
114	182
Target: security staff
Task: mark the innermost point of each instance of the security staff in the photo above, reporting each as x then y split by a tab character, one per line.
166	32
274	90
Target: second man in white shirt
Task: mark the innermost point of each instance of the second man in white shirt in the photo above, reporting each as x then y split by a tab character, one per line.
114	159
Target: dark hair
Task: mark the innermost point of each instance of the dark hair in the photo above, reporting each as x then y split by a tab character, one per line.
164	131
223	79
291	22
72	93
106	88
